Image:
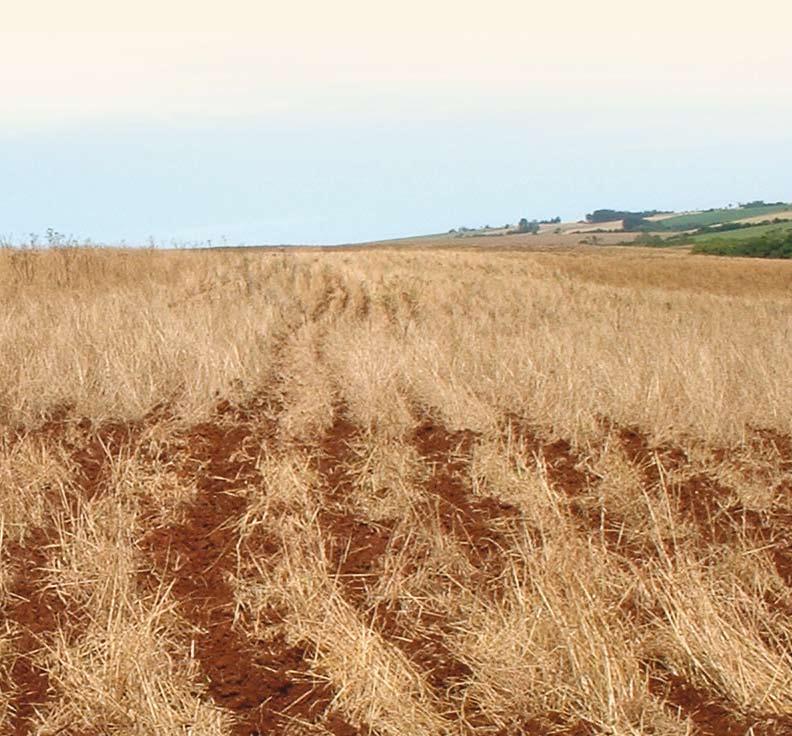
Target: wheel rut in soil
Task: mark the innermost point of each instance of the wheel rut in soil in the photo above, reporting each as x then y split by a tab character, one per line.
33	608
709	714
355	547
267	684
35	611
264	684
476	521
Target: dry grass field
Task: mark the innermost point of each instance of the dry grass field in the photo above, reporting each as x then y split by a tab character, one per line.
395	491
764	218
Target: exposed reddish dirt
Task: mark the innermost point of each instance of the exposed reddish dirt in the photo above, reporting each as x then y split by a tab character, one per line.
473	520
262	683
90	457
421	639
780	444
53	424
34	610
568	473
702	500
614	532
779	530
709	714
697	498
564	467
105	442
266	683
772	530
639	452
354	546
334	453
33	607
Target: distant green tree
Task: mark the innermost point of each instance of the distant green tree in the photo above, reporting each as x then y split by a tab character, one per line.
632	222
610	215
528	227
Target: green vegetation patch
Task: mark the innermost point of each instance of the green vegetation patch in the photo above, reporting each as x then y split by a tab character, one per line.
773	244
741	233
716	216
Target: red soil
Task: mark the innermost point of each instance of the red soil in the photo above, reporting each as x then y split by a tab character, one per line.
567	471
703	501
779	531
709	714
266	683
356	546
475	521
34	610
263	683
106	441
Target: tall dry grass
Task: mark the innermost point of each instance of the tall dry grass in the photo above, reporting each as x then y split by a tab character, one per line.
559	340
606	574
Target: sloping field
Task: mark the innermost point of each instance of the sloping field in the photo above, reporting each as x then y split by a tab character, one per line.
713	217
744	233
600	226
395	492
784	215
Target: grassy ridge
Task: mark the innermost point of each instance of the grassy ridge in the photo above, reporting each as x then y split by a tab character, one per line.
772	244
744	233
714	217
766	240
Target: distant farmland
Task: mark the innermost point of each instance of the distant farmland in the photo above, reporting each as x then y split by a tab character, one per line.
744	233
715	217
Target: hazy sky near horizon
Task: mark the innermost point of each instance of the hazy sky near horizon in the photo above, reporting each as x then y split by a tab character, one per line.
348	121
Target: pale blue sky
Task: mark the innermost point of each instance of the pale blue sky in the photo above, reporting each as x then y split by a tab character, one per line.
352	134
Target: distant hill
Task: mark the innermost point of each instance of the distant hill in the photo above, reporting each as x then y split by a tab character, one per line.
661	226
775	243
740	232
707	218
757	230
656	221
